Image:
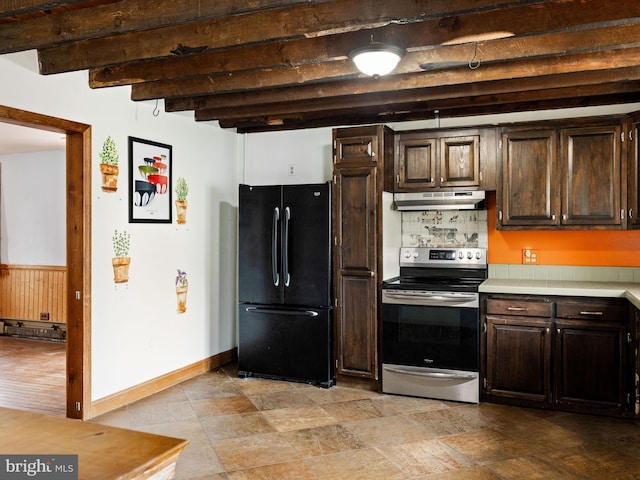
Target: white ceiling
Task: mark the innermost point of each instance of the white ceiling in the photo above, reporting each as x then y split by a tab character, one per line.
19	139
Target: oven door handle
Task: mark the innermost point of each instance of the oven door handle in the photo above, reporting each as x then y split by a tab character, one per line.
439	297
443	376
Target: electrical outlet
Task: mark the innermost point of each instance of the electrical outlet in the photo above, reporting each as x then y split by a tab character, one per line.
44	316
292	170
530	256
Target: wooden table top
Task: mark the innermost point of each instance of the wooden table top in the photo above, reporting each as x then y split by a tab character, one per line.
103	452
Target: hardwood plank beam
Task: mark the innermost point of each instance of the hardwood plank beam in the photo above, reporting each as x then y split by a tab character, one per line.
591	61
123	17
359	117
11	8
309	94
592	82
457	18
323	49
473	100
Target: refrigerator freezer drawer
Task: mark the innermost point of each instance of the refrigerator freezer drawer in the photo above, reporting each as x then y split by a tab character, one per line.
287	343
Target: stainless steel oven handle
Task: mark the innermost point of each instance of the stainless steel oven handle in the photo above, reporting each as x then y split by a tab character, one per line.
444	376
427	296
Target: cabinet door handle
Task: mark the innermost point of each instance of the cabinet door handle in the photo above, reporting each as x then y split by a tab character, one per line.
631	213
553	217
629	339
591	313
484	328
558	330
548	330
517	309
622	214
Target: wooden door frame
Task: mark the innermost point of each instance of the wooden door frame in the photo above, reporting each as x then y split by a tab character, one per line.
78	220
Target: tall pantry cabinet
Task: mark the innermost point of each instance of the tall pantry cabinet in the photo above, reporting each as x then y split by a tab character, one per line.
359	177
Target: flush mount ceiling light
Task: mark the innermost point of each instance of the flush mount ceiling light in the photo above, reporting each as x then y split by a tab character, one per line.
376	59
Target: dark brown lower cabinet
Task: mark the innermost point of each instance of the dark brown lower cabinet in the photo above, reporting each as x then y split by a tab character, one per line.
518	356
563	353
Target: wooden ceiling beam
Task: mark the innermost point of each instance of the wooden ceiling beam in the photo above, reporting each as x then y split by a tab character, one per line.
324	18
591	61
303	52
451	19
310	94
473	104
485	92
359	117
12	8
121	17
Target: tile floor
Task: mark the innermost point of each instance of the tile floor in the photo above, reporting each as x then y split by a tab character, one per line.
254	429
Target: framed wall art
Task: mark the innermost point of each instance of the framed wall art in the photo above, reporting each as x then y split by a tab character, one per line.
150	166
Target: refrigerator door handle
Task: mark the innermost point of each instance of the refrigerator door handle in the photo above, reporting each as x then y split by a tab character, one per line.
287	217
281	311
275	275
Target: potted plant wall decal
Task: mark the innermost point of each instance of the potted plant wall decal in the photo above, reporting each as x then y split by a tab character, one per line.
182	286
182	189
121	259
109	165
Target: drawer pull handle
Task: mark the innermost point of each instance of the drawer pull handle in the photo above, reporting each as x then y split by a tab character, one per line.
591	313
517	309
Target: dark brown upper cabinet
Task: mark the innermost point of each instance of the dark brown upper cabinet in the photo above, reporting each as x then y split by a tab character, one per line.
563	176
445	159
592	164
530	191
633	171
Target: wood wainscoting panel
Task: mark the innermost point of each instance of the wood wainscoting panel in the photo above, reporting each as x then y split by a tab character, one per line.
29	290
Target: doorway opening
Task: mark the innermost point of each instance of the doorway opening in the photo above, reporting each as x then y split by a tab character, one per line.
78	251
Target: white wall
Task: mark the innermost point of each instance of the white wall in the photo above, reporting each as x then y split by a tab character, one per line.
137	335
32	202
270	156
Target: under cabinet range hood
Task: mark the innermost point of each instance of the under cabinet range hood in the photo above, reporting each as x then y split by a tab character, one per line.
460	200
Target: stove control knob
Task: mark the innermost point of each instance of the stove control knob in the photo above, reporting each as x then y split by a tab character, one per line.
478	255
469	255
407	254
416	254
460	254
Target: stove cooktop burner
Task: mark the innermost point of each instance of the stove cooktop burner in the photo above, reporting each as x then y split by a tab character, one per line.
454	270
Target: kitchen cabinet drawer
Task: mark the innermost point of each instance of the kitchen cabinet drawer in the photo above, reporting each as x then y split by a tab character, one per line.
526	308
604	311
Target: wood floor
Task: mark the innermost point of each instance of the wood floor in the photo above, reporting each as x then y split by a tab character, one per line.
32	375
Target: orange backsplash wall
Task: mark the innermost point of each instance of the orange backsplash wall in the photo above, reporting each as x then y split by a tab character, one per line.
574	247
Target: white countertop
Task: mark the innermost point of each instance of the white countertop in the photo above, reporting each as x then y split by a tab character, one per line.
630	291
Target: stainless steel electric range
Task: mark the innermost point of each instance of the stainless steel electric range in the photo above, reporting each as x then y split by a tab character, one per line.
431	324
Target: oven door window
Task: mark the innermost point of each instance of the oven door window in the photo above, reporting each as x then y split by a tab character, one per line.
431	336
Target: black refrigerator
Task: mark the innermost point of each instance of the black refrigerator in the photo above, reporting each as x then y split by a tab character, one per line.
284	283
